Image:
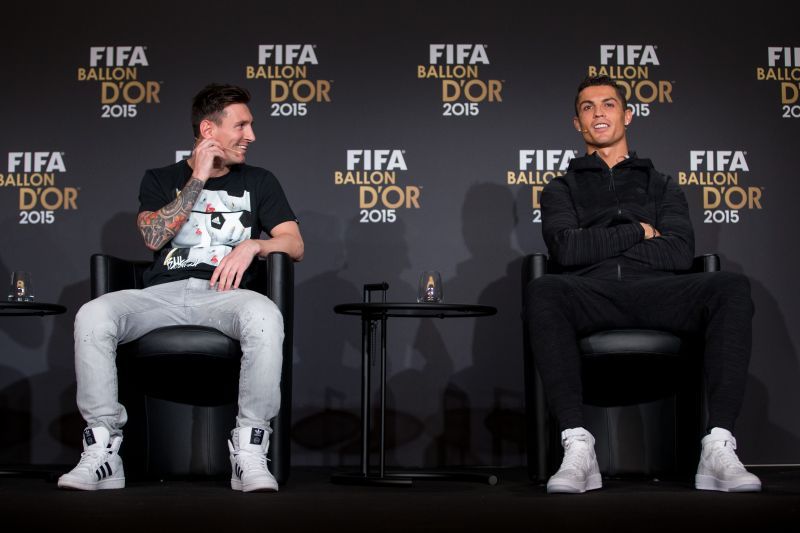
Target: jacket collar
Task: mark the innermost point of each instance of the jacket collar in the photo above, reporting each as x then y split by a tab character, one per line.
595	162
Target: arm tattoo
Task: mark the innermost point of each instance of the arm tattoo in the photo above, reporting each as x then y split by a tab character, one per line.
159	227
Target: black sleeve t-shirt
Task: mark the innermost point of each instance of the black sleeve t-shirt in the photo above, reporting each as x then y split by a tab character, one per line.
230	209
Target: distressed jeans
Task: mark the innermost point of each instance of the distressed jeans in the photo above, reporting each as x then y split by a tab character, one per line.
118	317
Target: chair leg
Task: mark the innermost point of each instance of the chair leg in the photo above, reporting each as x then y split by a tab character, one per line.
543	437
690	414
134	450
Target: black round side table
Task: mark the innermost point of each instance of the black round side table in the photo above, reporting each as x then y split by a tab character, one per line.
30	309
372	314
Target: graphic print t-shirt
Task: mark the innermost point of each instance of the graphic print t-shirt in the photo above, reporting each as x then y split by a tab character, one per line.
230	209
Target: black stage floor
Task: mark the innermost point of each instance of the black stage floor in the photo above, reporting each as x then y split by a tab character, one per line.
309	502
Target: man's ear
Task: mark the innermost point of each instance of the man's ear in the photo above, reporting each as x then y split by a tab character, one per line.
207	128
577	124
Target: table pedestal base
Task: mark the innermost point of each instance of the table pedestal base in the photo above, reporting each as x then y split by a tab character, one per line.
407	478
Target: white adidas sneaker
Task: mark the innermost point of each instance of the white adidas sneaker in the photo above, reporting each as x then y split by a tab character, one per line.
249	472
100	466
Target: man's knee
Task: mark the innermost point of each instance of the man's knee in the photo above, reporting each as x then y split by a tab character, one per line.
260	310
732	281
729	283
94	314
96	326
730	287
548	288
546	293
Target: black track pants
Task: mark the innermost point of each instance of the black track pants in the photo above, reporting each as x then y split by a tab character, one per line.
562	308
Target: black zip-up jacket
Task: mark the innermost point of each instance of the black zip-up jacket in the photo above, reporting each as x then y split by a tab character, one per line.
591	220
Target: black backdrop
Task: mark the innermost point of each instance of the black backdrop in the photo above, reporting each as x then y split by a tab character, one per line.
71	175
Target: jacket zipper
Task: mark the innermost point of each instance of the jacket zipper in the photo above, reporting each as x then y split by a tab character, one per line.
613	188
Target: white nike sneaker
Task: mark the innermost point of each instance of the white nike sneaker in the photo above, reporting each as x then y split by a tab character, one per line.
100	466
720	468
249	473
579	471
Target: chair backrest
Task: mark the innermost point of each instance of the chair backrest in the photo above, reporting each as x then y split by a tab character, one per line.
109	274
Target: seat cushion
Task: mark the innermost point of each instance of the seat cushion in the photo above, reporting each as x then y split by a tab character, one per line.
190	341
630	341
186	364
626	367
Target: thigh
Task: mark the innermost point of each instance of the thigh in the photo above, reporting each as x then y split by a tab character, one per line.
589	304
231	311
129	314
681	303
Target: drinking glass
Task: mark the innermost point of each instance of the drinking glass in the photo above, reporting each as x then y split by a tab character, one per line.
21	288
430	287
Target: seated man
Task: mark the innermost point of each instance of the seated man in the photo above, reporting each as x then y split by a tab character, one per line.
620	229
203	218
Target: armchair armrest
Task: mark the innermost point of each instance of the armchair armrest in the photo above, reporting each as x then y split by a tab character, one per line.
280	281
533	266
537	265
706	263
109	273
279	288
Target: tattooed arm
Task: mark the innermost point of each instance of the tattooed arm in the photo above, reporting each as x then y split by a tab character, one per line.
159	227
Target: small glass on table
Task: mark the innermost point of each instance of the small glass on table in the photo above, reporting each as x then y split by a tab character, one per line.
430	287
21	288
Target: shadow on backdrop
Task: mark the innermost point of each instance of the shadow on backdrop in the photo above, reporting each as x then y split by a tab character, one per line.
327	424
120	238
376	253
21	334
760	438
481	406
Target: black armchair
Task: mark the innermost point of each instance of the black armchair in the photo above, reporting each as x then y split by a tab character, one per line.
178	421
658	371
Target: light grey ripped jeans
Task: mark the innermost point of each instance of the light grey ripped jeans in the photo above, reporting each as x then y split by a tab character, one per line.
118	317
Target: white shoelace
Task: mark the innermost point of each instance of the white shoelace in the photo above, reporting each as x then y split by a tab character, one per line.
576	454
724	452
91	460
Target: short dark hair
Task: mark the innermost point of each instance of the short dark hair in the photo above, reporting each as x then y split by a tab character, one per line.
592	81
212	100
